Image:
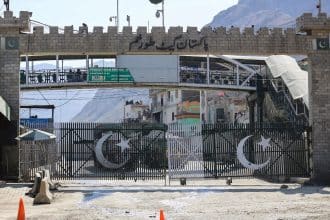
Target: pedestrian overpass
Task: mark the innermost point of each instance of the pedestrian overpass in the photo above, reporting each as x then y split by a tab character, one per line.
199	72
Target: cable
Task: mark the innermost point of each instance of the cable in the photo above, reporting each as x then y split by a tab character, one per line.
67	101
43	97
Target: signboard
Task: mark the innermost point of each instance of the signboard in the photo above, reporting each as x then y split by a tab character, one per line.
151	68
107	74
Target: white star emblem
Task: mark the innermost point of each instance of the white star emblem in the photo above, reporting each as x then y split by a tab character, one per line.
123	145
264	143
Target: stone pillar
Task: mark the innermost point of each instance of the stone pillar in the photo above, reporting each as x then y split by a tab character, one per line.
317	30
10	28
319	87
9	90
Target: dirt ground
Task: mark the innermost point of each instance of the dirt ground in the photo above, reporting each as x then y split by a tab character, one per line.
245	199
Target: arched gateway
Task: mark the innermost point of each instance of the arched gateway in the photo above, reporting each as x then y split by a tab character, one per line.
311	38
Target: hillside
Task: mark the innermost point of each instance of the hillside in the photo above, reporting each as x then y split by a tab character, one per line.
266	13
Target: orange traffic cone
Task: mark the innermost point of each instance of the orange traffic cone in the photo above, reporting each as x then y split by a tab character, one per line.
21	210
161	215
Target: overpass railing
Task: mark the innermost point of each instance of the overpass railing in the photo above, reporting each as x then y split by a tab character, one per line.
72	75
123	75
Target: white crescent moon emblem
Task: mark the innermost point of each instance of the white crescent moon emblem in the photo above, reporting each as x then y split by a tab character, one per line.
322	44
242	159
100	157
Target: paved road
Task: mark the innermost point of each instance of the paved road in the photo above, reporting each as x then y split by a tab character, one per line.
246	199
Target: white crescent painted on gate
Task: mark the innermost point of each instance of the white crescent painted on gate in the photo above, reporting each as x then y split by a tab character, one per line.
100	157
242	159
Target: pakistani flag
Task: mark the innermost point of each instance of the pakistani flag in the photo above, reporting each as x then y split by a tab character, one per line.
322	43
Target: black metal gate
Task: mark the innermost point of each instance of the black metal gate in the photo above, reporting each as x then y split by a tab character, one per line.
110	151
239	150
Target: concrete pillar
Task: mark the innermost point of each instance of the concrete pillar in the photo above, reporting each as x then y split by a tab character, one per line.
87	62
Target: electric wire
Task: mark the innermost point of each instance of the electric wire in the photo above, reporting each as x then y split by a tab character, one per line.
44	98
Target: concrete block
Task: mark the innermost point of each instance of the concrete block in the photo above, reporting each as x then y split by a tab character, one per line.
44	196
52	185
36	186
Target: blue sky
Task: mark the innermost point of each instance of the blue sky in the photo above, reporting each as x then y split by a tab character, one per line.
97	12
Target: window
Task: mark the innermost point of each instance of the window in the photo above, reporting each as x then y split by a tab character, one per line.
162	101
168	95
173	116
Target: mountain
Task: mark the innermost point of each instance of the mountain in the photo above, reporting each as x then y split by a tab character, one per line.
266	13
107	105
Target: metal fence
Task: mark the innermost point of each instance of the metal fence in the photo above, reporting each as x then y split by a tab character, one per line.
111	151
238	150
147	151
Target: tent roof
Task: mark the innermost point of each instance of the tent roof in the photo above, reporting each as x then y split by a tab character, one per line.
295	79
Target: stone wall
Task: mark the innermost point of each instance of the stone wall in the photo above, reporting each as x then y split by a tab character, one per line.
218	41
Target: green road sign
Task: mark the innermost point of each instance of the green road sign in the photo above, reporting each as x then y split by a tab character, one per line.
112	75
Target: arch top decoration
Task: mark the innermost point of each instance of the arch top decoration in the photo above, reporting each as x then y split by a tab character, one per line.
172	41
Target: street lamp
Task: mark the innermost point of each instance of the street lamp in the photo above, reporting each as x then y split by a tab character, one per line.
113	18
319	6
116	18
159	11
128	19
6	3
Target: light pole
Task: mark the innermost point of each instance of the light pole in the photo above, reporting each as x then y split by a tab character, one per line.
113	18
116	18
319	7
6	3
161	11
118	14
128	19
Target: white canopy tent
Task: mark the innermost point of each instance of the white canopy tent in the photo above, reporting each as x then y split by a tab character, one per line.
293	76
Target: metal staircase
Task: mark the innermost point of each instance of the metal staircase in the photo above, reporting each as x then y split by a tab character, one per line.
294	110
